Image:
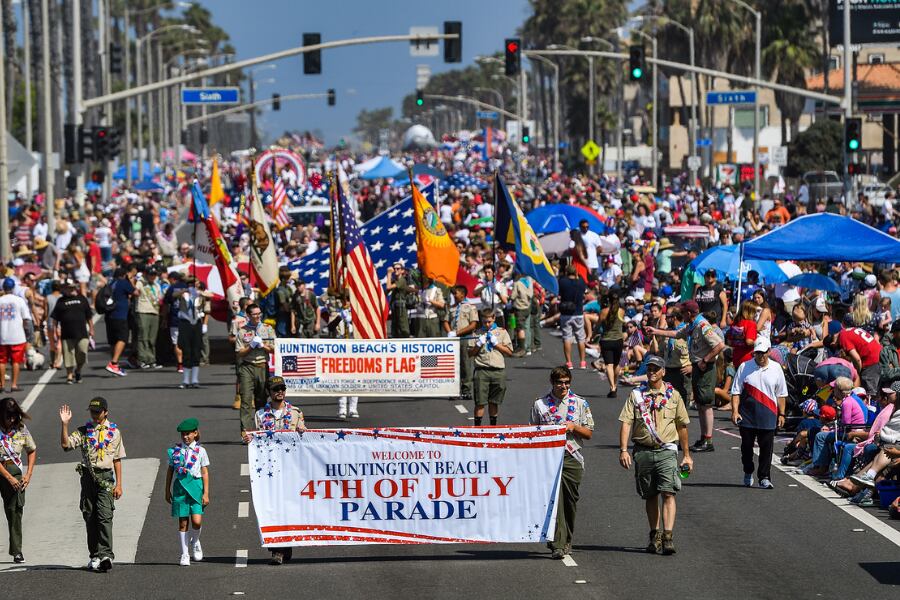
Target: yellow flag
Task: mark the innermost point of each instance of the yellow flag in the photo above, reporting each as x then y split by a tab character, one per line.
216	193
437	254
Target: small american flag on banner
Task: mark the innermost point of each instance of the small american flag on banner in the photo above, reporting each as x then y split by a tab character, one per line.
279	206
298	366
434	366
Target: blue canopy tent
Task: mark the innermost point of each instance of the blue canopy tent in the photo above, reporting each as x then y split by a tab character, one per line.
149	186
120	172
552	218
385	169
421	169
725	260
824	237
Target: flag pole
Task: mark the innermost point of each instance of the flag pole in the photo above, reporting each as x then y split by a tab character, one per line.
494	242
194	233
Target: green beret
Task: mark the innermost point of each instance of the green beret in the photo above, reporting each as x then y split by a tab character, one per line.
189	425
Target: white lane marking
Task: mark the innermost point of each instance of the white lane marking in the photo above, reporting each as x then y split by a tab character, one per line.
58	541
240	558
243	510
38	388
858	530
569	561
580	581
245	491
462	409
245	470
860	514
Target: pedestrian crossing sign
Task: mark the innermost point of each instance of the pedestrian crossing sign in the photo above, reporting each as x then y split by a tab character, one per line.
590	150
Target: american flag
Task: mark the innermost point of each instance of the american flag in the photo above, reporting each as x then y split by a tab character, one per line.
434	366
298	366
368	303
279	206
391	238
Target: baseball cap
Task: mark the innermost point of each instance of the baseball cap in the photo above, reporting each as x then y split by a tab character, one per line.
810	407
834	327
870	280
827	413
690	306
821	305
9	284
97	404
656	361
859	391
762	344
275	381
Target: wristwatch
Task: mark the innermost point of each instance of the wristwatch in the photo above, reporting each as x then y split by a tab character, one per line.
623	450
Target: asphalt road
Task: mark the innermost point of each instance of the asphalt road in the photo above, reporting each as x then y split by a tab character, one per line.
791	542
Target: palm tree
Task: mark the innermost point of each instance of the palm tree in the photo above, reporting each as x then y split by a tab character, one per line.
789	50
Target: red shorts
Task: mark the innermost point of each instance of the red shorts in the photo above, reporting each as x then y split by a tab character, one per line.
14	353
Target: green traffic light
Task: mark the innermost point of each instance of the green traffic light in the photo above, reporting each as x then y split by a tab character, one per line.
637	72
419	101
526	139
853	144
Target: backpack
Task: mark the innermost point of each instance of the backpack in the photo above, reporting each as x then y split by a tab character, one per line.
104	302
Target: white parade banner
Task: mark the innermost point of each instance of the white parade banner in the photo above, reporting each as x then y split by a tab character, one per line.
406	485
427	367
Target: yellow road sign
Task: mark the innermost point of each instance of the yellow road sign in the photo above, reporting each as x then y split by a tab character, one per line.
590	150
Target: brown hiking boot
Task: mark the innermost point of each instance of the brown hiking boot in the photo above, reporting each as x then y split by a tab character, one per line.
668	545
236	405
655	545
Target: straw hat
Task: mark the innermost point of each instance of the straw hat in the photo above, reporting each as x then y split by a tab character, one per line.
40	243
665	243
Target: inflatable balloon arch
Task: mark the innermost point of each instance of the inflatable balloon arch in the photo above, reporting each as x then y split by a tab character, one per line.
282	157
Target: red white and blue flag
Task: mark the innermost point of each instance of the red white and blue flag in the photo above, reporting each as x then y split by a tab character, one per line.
279	206
436	366
298	366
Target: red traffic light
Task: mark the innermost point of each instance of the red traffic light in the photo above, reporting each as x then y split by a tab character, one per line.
512	46
101	133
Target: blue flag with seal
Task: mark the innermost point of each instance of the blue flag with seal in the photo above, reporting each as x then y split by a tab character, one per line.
513	232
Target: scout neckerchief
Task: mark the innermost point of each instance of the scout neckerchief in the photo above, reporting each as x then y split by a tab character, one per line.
488	345
6	444
97	439
185	457
647	403
571	400
269	420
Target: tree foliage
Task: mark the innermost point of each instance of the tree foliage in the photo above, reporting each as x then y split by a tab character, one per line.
369	123
816	149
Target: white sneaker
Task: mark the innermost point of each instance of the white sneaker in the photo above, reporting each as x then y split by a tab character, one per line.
342	414
93	564
185	560
197	551
354	414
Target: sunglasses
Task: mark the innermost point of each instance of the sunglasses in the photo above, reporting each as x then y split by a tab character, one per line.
279	388
561	383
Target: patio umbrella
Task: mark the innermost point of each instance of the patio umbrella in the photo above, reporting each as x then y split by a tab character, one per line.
815	281
725	261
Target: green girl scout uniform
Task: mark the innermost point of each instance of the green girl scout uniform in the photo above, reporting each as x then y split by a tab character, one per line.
187	463
12	444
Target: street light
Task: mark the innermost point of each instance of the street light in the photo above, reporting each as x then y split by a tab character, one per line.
756	61
254	141
588	40
500	101
692	130
655	111
555	107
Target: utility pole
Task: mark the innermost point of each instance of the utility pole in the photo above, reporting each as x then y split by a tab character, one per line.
756	60
26	71
591	105
849	182
254	143
5	253
127	81
77	93
46	108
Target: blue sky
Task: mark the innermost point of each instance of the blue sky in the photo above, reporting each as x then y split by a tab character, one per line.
371	76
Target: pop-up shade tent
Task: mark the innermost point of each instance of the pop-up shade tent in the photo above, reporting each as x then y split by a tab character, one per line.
824	237
551	218
384	169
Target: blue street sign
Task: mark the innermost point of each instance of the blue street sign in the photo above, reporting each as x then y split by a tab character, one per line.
731	97
563	145
703	142
487	114
223	95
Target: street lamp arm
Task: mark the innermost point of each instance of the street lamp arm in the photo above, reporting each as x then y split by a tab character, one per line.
473	102
248	106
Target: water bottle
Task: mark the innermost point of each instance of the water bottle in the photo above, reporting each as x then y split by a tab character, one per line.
685	471
512	321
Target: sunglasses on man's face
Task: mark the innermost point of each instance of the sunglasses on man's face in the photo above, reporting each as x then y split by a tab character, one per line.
279	388
562	383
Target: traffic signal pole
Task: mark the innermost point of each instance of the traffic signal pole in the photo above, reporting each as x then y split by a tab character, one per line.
849	181
476	103
248	106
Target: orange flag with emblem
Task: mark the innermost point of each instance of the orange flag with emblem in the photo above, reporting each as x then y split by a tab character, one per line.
216	193
438	256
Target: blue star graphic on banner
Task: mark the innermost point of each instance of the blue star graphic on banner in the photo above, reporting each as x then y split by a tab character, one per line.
390	237
501	437
341	435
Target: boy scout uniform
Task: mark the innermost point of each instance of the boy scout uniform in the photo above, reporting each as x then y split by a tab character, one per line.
399	313
305	306
675	353
296	421
97	484
703	338
253	368
490	370
13	500
429	320
463	315
573	461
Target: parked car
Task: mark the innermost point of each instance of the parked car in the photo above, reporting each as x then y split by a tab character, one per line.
876	192
823	184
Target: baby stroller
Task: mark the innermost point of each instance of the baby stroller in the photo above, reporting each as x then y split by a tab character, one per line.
799	375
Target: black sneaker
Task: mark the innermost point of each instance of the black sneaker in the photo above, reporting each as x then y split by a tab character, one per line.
276	559
77	376
558	554
704	446
105	565
18	558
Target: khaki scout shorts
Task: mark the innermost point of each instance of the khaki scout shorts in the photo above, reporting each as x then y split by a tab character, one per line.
656	471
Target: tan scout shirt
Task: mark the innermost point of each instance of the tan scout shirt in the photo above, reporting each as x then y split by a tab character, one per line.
493	359
12	447
295	423
149	296
464	315
100	459
245	334
673	413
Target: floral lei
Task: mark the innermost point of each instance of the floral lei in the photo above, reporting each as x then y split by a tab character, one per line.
179	452
570	410
653	404
268	421
97	444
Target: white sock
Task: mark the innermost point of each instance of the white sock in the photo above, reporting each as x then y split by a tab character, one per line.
871	473
195	375
342	404
183	539
186	376
195	535
354	400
